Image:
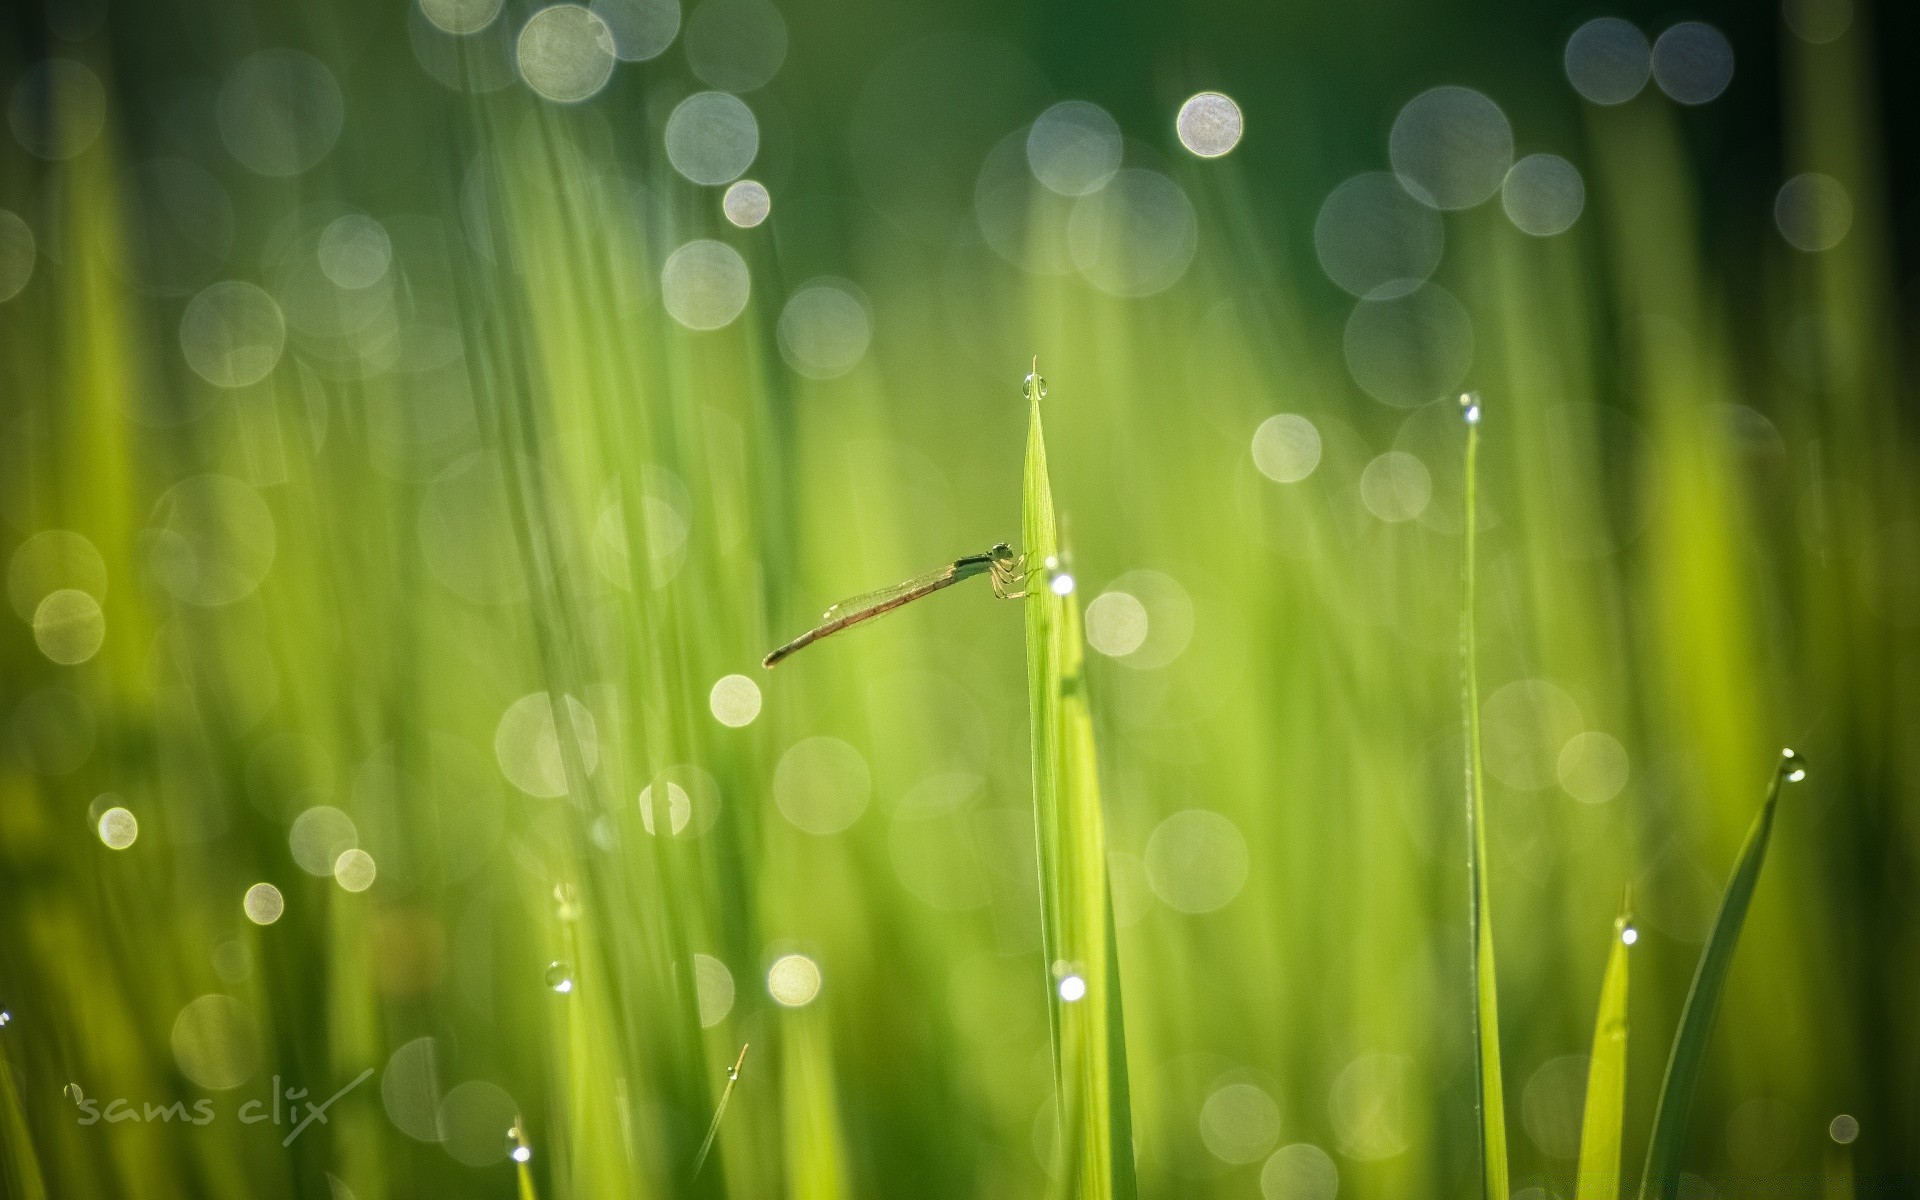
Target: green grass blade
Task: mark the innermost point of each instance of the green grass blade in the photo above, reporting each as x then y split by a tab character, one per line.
1662	1178
1486	1008
1598	1177
1083	979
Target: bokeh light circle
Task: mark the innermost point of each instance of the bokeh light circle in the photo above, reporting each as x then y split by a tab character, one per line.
1409	350
822	785
18	253
824	329
232	334
1692	62
57	109
734	700
1374	240
705	284
712	137
1209	124
1813	212
280	112
460	17
746	203
1286	447
793	980
1074	147
735	45
565	53
1608	61
1135	236
1451	147
642	29
1196	861
1543	195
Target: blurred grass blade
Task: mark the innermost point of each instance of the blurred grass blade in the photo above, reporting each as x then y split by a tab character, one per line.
1598	1177
1083	980
1662	1178
1486	1009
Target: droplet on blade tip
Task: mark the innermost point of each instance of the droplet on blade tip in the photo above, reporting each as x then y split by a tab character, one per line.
1034	381
1629	935
560	977
1792	766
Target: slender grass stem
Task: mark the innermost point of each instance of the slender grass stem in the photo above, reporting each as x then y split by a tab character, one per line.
720	1110
1486	1013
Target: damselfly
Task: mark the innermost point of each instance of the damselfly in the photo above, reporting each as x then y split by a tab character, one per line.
1006	568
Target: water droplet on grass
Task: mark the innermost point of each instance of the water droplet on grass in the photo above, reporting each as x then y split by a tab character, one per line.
1032	381
560	977
1792	766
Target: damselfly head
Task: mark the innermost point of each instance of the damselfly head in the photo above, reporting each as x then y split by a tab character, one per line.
1001	552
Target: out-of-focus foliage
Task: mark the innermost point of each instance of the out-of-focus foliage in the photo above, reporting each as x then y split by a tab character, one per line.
416	421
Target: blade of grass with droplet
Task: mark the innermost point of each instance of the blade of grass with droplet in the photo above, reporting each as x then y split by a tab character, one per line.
1486	1011
1598	1177
1662	1178
1089	1043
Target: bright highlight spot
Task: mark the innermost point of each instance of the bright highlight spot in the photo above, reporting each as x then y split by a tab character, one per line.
1209	124
746	203
118	828
264	904
734	700
793	980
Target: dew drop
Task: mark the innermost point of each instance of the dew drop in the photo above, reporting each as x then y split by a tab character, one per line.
566	904
517	1148
1032	381
1792	766
1073	988
6	1017
560	977
1062	585
1629	935
1470	407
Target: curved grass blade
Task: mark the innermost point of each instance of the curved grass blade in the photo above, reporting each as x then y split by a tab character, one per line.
1083	981
1662	1178
1486	1009
1598	1176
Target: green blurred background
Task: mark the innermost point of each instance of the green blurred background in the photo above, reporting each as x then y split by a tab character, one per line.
373	375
